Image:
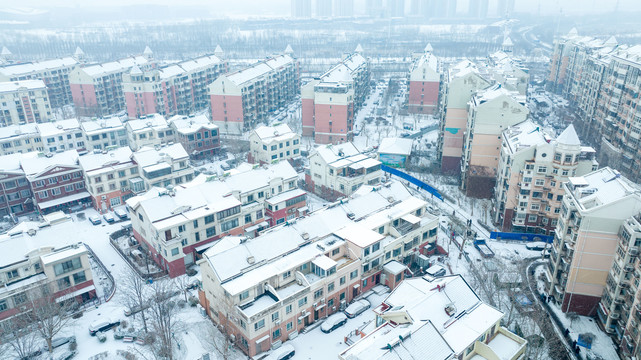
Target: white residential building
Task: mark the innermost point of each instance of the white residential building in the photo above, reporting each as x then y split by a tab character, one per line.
268	144
199	136
163	166
62	135
20	139
104	133
339	170
150	130
24	102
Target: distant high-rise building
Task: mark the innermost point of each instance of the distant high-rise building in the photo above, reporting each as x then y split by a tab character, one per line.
505	8
344	8
451	8
301	8
478	9
395	8
323	8
415	8
374	8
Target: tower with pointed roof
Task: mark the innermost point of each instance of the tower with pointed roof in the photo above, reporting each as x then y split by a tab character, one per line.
148	54
424	82
219	52
6	56
79	55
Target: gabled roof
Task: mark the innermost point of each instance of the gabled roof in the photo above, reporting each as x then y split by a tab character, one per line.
9	86
35	165
268	133
397	146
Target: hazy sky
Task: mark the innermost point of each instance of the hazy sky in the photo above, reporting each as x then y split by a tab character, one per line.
272	8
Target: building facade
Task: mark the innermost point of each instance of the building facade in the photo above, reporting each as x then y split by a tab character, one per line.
242	99
339	170
533	165
62	135
330	102
16	197
198	135
424	83
178	89
163	166
24	101
268	144
104	133
150	130
20	139
585	240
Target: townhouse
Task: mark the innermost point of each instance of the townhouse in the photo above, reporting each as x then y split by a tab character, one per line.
268	144
62	135
330	102
464	80
585	240
16	197
104	133
443	312
111	177
54	73
269	288
177	89
424	81
532	167
490	112
242	99
198	135
339	170
177	223
24	101
97	89
162	166
33	261
56	180
149	130
20	139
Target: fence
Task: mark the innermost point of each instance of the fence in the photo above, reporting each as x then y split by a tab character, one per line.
110	292
412	180
521	237
126	231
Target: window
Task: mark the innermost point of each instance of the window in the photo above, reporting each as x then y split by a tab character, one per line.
67	266
276	334
197	236
396	252
248	218
174	251
227	213
195	224
542	169
353	275
259	324
64	283
288	309
229	225
318	293
182	228
342	280
275	316
209	219
330	287
381	229
12	274
335	252
79	277
302	302
211	231
539	182
3	305
376	247
244	295
287	274
289	325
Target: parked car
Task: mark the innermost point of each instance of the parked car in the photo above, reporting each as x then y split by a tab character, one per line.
225	166
536	245
122	214
436	271
66	355
357	308
134	310
282	353
333	322
109	218
57	342
102	325
95	219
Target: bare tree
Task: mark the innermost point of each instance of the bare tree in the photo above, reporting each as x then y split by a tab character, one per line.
18	335
182	284
163	313
134	293
238	149
222	335
48	314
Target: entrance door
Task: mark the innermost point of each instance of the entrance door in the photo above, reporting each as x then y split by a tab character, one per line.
315	315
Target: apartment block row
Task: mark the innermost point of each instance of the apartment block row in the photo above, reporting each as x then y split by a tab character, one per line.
39	265
241	100
533	166
24	101
330	102
339	170
177	224
271	287
197	134
178	89
601	79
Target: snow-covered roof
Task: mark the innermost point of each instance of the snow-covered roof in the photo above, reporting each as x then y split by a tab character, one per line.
601	187
93	162
259	69
35	165
155	121
427	299
14	131
569	137
11	86
58	127
344	70
149	156
394	267
280	132
36	67
524	135
113	66
397	146
427	58
191	124
495	92
101	125
331	153
11	162
188	66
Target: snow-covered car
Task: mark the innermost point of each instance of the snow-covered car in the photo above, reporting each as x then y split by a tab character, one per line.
282	353
109	218
57	342
357	308
536	245
95	219
102	325
436	271
333	322
66	355
122	214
